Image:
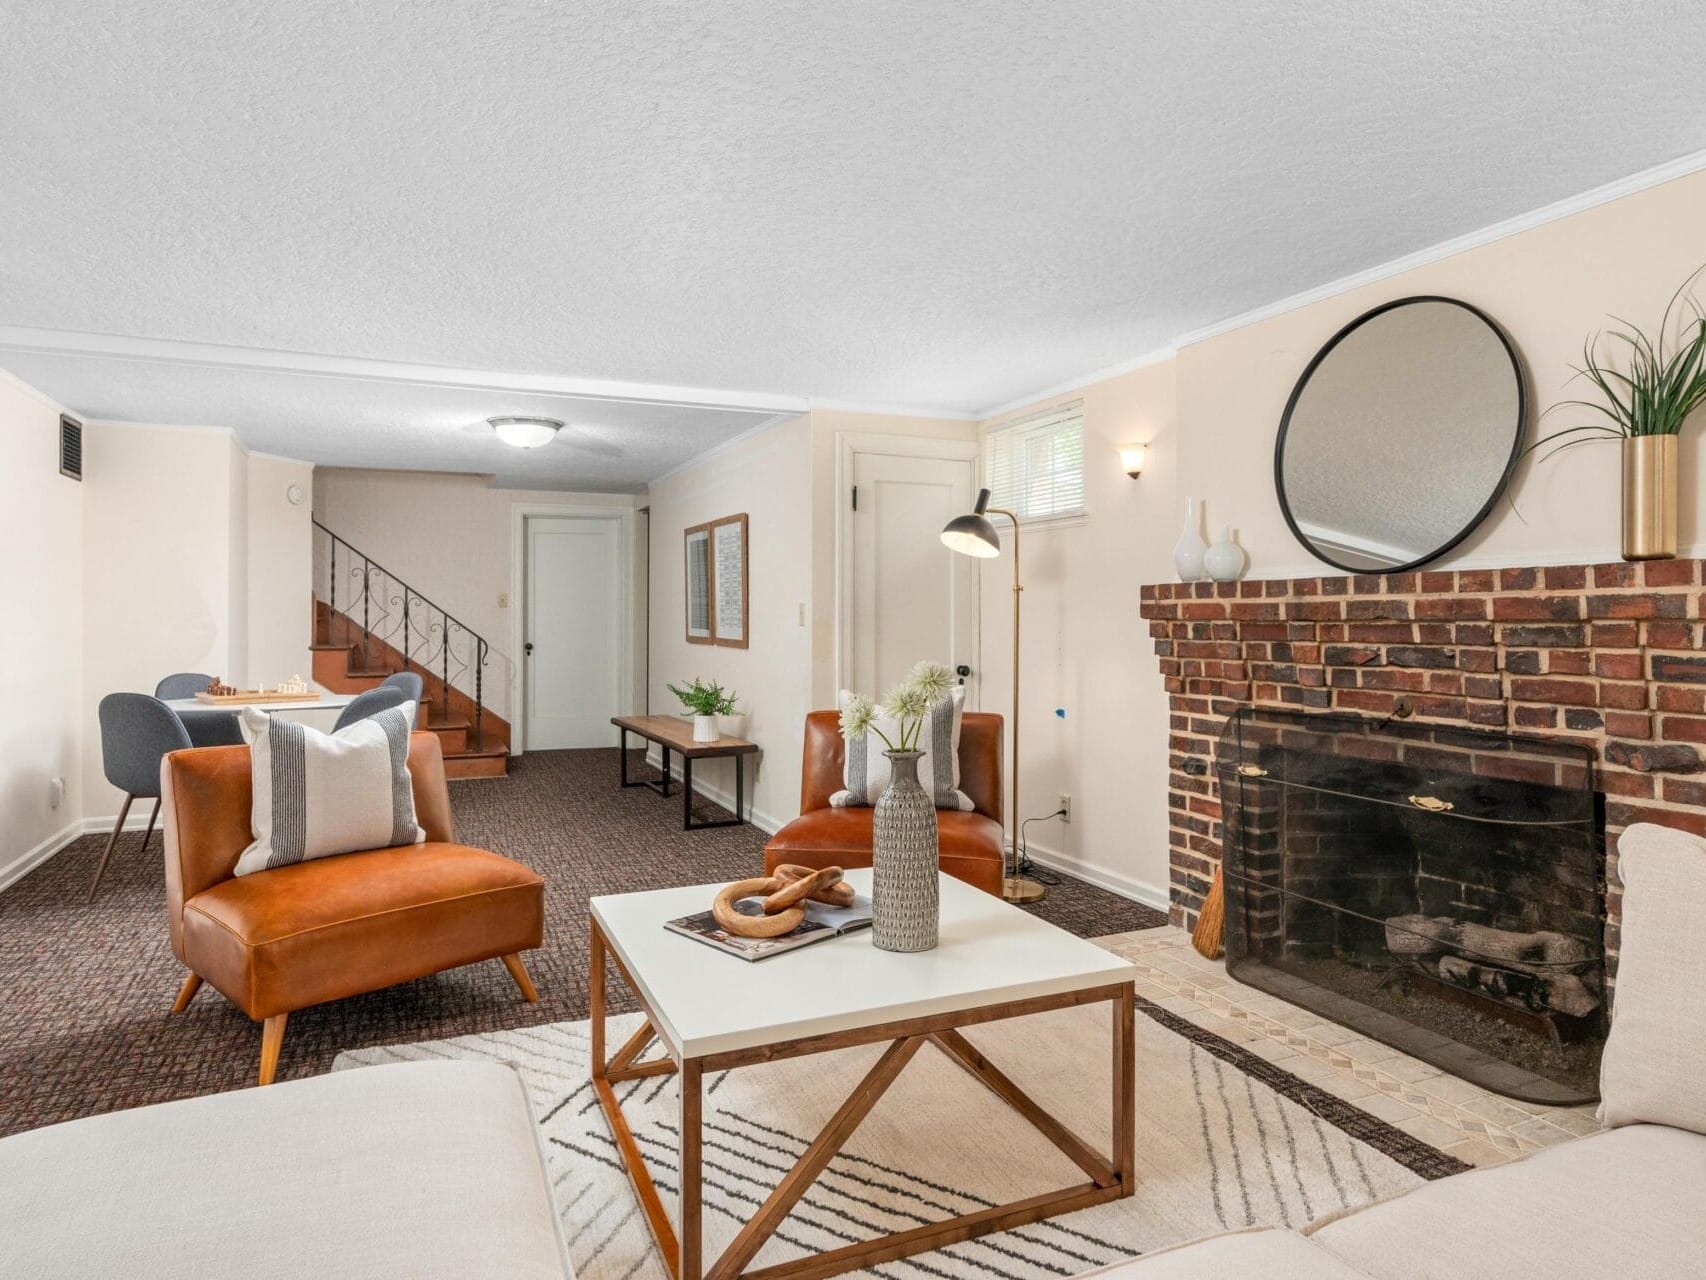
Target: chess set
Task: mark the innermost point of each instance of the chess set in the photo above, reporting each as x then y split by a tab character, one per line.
221	694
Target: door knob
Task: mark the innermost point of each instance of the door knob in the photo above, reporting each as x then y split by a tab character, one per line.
528	648
962	671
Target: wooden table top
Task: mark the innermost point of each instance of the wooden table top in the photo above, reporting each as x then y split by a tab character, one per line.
677	734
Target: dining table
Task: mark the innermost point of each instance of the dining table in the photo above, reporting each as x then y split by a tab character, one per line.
211	723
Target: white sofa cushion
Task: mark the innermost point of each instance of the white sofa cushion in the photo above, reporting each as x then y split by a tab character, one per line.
1654	1069
1627	1203
423	1169
1262	1254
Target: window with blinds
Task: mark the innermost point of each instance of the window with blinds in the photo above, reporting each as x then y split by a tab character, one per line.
1034	467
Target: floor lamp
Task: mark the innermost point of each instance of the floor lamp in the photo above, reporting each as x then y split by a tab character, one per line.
973	535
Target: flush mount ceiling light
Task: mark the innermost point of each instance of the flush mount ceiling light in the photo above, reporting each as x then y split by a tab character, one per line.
525	433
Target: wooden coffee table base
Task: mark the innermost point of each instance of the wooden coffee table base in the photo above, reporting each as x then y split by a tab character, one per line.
1108	1178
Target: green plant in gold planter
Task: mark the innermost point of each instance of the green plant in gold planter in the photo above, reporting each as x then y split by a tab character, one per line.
1645	408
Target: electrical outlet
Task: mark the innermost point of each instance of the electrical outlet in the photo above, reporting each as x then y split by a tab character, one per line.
1065	807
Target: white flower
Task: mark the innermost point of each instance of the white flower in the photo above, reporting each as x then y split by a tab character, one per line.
906	702
856	717
932	679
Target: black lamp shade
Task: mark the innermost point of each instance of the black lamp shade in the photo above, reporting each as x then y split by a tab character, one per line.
972	534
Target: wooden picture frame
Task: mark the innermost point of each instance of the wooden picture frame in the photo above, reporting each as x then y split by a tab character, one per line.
715	582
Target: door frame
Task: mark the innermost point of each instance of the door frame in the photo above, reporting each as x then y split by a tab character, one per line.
850	444
519	515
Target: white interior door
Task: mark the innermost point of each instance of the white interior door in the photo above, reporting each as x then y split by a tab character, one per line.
910	597
572	631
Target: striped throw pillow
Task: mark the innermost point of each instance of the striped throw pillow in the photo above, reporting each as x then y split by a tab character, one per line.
865	773
318	794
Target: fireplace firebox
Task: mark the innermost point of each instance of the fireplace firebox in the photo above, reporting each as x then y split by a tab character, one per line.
1436	888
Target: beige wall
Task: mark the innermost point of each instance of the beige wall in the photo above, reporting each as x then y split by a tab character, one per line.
1211	415
767	476
449	537
278	574
41	644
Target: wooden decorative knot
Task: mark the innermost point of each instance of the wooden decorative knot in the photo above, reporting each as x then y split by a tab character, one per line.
783	894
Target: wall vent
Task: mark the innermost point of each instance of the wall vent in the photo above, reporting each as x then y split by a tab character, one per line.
70	447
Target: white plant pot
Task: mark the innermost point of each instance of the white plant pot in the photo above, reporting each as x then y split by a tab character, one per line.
705	729
733	726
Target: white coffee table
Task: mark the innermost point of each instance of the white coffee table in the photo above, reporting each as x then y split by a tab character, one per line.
711	1012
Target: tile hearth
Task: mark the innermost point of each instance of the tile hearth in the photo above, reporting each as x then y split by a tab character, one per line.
1459	1118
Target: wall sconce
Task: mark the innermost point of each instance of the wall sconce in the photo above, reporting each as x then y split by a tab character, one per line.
1131	458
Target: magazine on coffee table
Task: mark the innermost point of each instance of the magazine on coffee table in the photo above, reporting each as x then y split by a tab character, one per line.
822	923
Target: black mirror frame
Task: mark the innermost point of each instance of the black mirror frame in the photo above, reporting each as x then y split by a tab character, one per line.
1521	429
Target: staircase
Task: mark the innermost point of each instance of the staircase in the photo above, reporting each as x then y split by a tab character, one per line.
369	624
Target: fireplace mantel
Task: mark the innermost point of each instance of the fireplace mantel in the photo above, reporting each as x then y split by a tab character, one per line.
1607	655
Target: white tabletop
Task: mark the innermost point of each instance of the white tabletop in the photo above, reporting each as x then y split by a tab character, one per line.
705	1001
326	702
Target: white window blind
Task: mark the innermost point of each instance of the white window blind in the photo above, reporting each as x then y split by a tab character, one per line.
1034	467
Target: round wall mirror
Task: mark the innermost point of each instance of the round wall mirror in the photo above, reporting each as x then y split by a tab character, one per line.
1400	435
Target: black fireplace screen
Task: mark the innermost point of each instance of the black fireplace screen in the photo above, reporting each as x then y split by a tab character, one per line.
1438	889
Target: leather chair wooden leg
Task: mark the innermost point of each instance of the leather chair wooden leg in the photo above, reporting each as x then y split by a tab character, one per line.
186	993
101	870
518	971
272	1040
148	834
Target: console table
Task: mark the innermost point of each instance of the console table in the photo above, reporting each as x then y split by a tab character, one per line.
672	733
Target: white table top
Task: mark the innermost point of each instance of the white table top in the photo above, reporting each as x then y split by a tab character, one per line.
326	702
706	1001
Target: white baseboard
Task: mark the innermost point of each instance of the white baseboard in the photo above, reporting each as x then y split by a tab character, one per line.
769	824
30	859
1150	895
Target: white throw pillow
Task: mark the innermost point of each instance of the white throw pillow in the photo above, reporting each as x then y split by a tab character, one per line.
1654	1069
318	794
865	770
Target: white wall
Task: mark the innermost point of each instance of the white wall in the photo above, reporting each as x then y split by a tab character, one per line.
448	536
767	476
41	644
1211	416
278	576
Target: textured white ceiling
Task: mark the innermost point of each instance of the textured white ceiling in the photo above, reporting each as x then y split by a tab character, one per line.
934	204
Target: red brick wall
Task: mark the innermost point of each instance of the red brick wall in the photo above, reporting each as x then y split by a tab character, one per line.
1606	654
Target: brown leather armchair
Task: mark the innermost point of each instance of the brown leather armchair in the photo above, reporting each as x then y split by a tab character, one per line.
290	937
971	843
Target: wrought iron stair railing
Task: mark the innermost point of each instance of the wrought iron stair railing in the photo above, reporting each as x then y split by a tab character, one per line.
387	609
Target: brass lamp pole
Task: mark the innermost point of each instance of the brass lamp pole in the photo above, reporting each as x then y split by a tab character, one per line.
973	535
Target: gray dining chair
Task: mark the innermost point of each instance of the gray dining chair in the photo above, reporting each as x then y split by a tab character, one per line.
408	681
183	684
136	731
371	703
210	728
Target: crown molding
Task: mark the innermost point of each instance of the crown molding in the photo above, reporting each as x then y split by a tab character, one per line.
1646	179
1158	356
266	360
882	409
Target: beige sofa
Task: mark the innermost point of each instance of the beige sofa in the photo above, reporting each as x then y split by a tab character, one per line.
426	1169
1627	1204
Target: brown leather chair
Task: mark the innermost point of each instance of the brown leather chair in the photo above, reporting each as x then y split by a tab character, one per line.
290	937
971	843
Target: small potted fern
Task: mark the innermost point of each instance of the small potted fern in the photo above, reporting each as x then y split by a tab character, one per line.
1645	408
704	700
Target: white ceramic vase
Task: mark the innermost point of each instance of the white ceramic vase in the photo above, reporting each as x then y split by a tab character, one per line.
1224	561
705	729
1189	550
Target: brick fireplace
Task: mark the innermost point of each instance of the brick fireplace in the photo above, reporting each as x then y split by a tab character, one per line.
1608	656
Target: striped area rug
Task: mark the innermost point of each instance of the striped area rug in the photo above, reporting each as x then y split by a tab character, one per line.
1224	1140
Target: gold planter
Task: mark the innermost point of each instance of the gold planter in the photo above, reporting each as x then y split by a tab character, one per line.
1649	498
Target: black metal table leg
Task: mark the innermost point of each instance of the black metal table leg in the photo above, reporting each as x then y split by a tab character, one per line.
622	757
687	793
740	785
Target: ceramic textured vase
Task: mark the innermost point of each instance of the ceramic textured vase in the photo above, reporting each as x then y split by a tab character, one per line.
1188	551
705	728
1224	561
904	858
1649	498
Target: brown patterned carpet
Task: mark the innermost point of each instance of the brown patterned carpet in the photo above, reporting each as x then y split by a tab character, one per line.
85	988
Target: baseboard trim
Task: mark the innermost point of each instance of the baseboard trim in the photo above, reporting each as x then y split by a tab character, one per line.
30	859
1149	895
769	824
